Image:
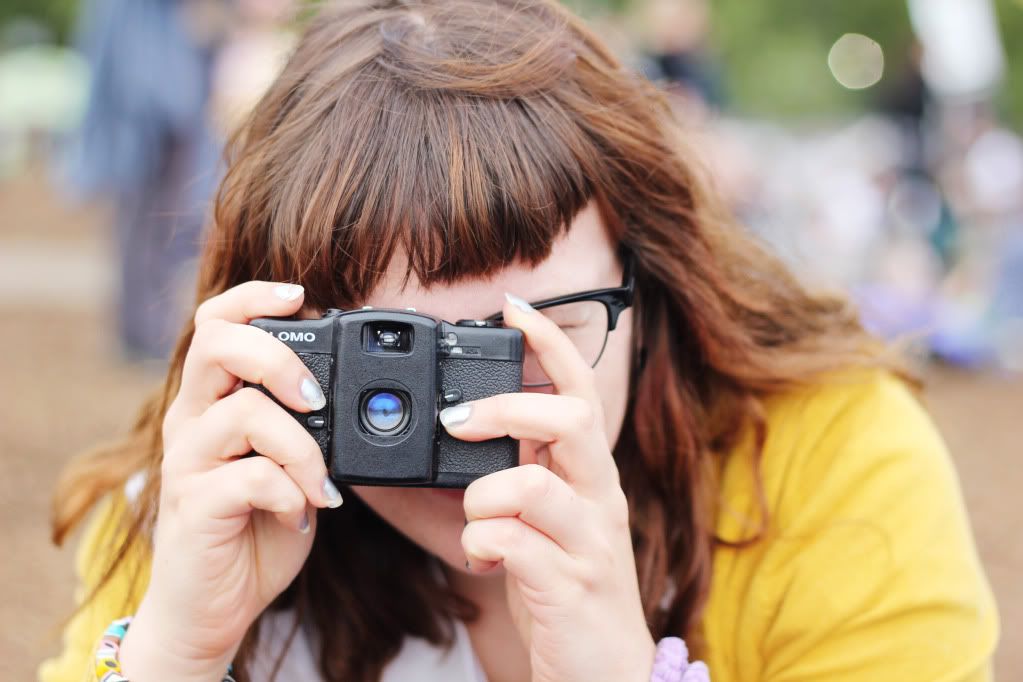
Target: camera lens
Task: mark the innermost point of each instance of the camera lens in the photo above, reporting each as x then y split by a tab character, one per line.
384	412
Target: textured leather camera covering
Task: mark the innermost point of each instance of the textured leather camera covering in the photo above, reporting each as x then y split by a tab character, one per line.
320	365
460	462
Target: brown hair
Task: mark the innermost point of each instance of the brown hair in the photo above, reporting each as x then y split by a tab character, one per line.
468	134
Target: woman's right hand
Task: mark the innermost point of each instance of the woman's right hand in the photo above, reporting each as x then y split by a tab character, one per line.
232	531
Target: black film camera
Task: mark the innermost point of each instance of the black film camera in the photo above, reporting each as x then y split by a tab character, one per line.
386	375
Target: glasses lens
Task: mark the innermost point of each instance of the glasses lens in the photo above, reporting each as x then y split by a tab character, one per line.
584	323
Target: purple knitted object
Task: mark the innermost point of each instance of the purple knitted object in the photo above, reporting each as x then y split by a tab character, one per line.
671	663
697	672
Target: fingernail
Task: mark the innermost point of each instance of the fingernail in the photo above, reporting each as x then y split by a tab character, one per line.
303	525
518	303
312	394
288	292
453	416
332	494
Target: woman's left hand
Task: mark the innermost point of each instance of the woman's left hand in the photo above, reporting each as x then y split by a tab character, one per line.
561	531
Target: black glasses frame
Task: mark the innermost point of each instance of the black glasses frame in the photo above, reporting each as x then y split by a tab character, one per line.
615	300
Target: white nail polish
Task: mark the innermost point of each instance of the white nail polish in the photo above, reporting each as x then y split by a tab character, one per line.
453	416
332	494
518	303
312	394
303	526
288	292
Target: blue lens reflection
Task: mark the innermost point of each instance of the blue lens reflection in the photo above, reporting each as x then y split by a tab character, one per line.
384	411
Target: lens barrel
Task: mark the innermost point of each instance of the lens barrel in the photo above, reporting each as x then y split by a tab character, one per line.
384	412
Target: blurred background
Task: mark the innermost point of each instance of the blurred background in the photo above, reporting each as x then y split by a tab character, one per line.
875	144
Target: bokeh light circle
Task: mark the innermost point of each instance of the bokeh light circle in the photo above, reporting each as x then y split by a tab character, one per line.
856	61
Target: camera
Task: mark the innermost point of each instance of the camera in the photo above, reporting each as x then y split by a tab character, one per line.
386	375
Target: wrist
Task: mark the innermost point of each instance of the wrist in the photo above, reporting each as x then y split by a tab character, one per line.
645	657
147	652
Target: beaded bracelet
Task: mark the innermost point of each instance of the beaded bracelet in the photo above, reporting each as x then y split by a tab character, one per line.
108	665
671	663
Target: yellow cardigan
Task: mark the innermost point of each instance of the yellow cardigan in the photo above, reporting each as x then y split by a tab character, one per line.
868	572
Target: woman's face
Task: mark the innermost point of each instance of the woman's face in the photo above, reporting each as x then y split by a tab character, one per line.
584	259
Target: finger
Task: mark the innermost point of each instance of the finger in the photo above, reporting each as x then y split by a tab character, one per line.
569	425
248	484
247	421
243	303
224	352
558	357
529	555
535	495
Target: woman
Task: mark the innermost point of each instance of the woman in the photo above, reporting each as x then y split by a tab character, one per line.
738	466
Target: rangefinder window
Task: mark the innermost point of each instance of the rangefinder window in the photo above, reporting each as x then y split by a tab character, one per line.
386	337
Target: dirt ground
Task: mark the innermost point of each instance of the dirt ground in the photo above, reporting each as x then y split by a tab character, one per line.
64	387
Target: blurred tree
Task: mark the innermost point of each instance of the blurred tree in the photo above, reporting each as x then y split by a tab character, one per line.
776	53
57	15
585	7
1010	19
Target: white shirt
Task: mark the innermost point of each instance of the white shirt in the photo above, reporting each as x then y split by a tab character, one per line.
418	660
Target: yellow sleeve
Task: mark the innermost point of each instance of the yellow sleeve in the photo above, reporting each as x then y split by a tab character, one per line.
119	597
870	573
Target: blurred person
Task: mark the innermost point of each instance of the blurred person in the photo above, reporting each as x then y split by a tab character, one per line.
742	466
676	53
145	141
905	96
254	48
677	33
978	315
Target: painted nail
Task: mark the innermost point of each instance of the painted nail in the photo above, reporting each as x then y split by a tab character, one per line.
312	394
518	303
303	525
288	292
453	416
332	494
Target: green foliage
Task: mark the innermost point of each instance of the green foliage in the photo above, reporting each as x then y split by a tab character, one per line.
57	15
775	53
1010	18
591	7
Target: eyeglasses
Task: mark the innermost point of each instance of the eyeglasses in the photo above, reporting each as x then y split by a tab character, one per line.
587	318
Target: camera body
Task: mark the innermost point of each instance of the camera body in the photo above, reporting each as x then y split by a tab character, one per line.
386	375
